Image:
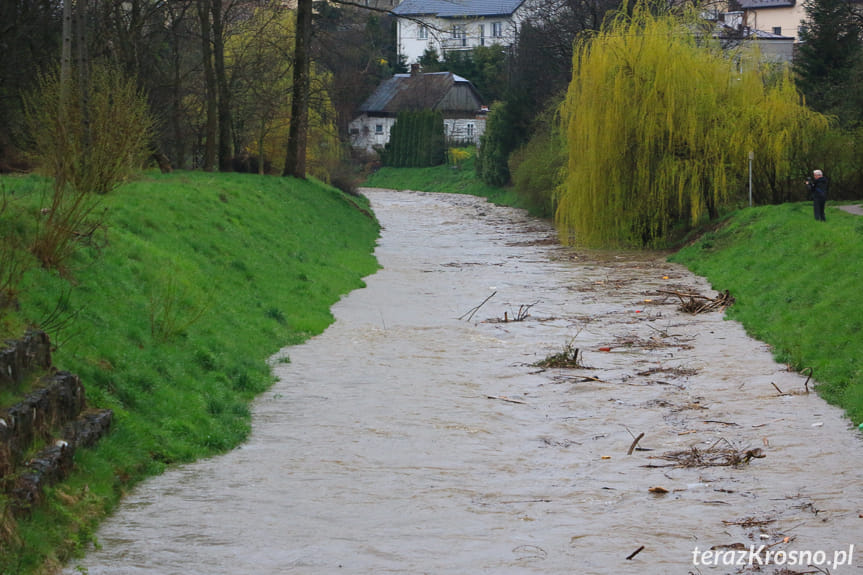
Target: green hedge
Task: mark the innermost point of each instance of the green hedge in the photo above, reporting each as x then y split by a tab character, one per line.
416	140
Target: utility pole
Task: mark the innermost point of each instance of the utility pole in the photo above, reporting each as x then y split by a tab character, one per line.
751	157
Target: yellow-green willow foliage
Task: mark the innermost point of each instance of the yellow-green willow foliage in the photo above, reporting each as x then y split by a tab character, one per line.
659	122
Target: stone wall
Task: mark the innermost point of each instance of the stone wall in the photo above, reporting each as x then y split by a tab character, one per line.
20	358
52	414
58	400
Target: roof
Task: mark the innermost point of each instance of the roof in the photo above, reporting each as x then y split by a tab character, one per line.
413	92
759	4
457	8
724	30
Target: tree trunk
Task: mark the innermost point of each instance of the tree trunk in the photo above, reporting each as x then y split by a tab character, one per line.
210	81
179	151
83	62
295	159
65	58
224	97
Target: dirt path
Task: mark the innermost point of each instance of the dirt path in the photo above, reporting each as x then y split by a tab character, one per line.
853	209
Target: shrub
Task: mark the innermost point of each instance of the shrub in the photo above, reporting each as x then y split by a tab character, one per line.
416	140
94	142
501	137
88	144
12	260
537	167
457	156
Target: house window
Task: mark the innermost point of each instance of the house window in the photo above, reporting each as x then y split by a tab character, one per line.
379	128
482	34
459	35
777	30
497	29
469	130
423	32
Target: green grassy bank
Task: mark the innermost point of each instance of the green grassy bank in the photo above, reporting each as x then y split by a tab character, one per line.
446	179
169	315
799	287
797	282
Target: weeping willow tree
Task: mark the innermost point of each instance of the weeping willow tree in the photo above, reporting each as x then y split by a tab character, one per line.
659	121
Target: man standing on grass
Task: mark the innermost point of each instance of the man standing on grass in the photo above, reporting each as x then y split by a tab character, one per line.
818	189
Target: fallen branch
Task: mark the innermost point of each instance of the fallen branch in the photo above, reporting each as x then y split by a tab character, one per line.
777	389
634	443
795	392
589	378
699	304
678	371
750	522
768	423
521	315
472	311
634	553
806	383
505	398
713	456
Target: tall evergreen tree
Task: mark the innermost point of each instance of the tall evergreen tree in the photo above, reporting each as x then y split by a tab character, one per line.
416	140
830	59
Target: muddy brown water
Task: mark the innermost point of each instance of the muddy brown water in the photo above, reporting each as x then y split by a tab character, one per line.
416	435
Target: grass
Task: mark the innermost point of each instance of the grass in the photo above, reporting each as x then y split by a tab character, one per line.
797	283
169	317
445	179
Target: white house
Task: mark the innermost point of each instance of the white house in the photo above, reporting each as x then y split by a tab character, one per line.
779	17
453	96
447	25
732	29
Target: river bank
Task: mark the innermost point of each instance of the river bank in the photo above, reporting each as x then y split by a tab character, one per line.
168	314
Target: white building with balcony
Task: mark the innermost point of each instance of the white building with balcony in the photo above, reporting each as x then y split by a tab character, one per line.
779	17
447	25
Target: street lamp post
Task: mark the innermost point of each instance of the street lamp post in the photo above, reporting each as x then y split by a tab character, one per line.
751	157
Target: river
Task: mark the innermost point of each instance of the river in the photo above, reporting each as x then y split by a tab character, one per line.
418	434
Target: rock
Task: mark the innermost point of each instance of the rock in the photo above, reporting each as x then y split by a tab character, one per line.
21	357
56	403
42	412
49	466
89	428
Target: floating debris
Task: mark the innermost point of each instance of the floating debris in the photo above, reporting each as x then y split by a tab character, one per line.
569	357
713	456
696	303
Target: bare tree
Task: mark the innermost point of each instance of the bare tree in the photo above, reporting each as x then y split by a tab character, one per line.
210	83
224	94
